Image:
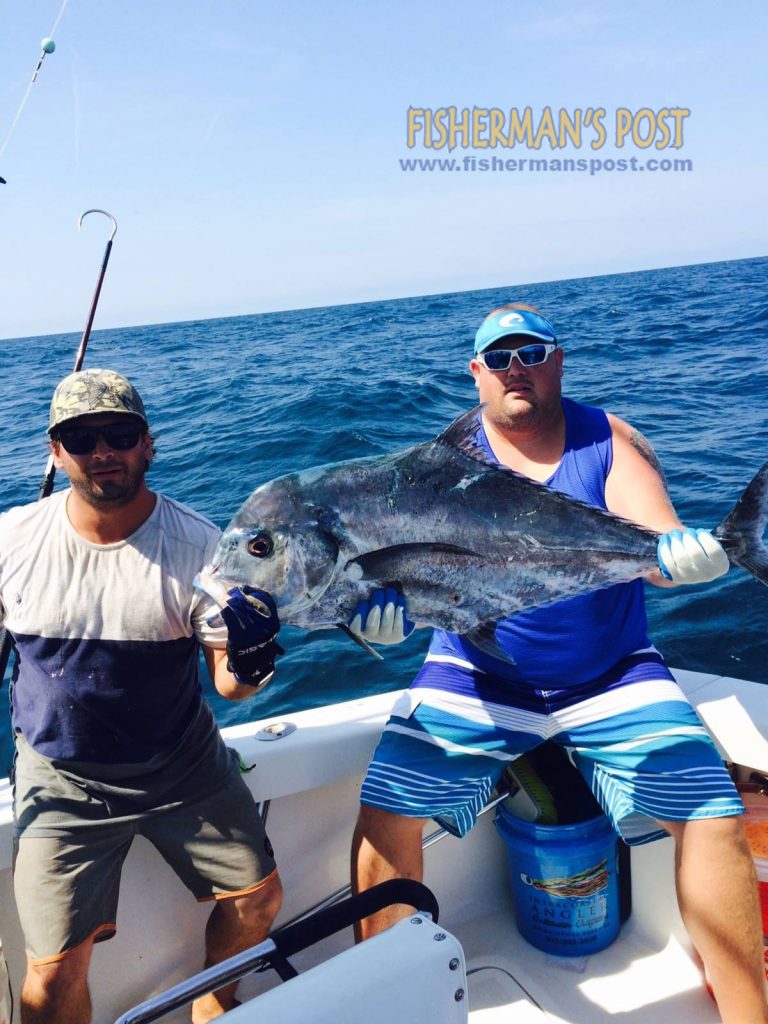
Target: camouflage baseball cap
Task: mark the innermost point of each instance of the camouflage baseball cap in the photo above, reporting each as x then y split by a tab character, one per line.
94	391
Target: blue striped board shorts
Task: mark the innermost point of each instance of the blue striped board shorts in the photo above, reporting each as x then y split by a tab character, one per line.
632	734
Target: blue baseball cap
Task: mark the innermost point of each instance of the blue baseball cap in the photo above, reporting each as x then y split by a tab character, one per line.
513	321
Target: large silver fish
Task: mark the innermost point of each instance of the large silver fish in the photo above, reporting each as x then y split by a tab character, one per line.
467	542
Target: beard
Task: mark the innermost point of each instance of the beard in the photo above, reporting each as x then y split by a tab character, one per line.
111	493
517	415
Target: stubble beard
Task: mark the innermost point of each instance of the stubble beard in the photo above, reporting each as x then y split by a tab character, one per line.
111	493
518	415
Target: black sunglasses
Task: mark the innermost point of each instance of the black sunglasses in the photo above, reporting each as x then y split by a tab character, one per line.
120	437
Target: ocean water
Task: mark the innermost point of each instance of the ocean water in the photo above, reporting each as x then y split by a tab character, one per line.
681	353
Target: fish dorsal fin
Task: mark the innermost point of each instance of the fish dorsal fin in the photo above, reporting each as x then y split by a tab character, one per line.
463	434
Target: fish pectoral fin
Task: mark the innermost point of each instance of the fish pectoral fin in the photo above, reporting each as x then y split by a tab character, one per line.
361	641
399	560
483	637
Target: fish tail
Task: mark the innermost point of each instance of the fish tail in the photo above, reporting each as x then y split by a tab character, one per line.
741	532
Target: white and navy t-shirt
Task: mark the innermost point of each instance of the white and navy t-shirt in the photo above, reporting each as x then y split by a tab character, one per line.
106	634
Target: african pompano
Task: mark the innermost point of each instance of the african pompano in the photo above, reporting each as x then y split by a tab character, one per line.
466	541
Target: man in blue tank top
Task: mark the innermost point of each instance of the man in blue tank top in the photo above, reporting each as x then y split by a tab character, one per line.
581	672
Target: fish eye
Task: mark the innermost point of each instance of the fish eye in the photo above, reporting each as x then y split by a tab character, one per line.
260	546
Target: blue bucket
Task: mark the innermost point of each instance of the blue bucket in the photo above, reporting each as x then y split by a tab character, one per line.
564	883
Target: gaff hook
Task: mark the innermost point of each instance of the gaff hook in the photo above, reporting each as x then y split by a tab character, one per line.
114	222
102	272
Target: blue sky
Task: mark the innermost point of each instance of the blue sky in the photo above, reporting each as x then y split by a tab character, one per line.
250	151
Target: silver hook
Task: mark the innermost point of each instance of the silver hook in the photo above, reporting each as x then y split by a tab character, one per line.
114	222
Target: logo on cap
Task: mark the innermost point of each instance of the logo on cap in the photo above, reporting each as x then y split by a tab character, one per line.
510	319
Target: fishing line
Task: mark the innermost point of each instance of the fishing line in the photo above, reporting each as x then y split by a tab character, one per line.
58	18
47	41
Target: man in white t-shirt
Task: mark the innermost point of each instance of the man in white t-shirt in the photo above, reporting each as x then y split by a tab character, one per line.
113	736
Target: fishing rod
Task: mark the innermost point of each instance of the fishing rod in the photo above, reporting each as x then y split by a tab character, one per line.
46	484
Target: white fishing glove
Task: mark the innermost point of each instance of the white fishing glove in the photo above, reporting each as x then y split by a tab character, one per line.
691	556
382	618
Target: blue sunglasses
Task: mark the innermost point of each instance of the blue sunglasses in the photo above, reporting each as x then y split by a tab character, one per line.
500	359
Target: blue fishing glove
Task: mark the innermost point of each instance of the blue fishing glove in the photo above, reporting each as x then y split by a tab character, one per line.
382	618
691	556
252	625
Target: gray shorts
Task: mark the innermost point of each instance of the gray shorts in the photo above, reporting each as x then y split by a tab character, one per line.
67	880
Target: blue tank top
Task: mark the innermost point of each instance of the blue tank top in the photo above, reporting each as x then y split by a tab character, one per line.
580	638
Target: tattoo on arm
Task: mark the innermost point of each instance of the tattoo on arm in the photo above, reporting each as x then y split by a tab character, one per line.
642	445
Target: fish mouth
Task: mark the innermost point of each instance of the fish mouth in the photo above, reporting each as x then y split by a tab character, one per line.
214	586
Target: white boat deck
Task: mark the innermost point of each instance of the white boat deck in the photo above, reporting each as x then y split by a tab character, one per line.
312	777
509	982
632	980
